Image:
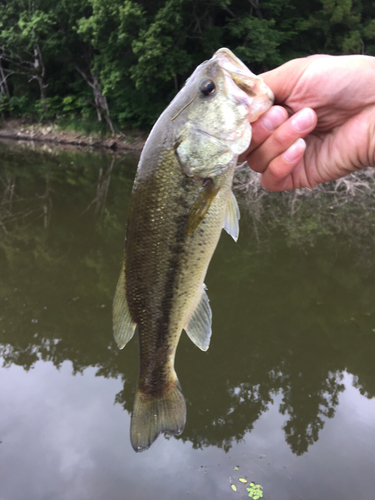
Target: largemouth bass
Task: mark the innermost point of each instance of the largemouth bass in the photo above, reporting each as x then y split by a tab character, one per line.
181	199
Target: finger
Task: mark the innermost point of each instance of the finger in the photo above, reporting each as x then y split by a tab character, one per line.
279	174
298	126
263	127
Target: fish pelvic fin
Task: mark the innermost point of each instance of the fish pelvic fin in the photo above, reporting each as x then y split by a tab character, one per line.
123	325
199	326
153	415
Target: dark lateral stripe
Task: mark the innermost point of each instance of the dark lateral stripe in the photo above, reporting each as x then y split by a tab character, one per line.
172	273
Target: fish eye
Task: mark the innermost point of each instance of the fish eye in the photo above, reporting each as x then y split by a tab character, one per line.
207	87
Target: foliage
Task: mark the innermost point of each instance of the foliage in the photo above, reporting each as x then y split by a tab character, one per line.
123	60
255	491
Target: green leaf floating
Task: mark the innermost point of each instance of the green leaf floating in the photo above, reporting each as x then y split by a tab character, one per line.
255	491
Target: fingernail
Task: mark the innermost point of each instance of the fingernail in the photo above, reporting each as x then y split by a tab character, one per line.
273	119
294	151
303	120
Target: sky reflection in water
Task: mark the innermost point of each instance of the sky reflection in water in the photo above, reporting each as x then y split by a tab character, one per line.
63	438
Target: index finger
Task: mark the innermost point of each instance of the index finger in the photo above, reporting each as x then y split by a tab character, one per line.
263	128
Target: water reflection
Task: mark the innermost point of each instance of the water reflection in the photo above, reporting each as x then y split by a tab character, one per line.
288	321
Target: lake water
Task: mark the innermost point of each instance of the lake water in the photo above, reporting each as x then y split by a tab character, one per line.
284	397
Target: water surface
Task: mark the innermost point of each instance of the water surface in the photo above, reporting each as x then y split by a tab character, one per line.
285	393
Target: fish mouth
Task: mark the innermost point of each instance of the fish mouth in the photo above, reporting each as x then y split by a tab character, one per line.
243	85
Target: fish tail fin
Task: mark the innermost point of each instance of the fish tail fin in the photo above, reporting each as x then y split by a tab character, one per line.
153	415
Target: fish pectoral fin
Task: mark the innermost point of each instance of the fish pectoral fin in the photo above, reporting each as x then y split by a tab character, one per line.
123	325
201	206
232	216
199	326
153	415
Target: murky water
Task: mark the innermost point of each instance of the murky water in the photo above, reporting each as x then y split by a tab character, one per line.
286	392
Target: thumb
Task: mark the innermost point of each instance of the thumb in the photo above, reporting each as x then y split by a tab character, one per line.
283	80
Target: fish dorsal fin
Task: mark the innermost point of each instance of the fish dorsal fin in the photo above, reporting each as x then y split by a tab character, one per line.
199	326
232	216
201	206
123	325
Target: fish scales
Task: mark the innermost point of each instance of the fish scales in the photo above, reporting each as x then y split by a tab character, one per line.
181	199
167	269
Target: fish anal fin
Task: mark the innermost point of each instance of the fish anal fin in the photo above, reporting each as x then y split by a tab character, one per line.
154	415
232	216
199	326
123	325
201	206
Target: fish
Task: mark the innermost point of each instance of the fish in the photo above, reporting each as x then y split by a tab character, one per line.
181	200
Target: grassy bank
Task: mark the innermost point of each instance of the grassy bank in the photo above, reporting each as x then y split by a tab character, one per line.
340	209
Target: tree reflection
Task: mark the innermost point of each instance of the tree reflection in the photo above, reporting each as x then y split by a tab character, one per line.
287	320
104	180
302	428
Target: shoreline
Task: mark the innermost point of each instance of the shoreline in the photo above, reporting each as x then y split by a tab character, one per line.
18	130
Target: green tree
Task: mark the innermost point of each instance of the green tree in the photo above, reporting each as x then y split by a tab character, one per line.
124	60
26	42
109	30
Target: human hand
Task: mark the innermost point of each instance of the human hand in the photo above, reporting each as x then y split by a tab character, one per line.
332	103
